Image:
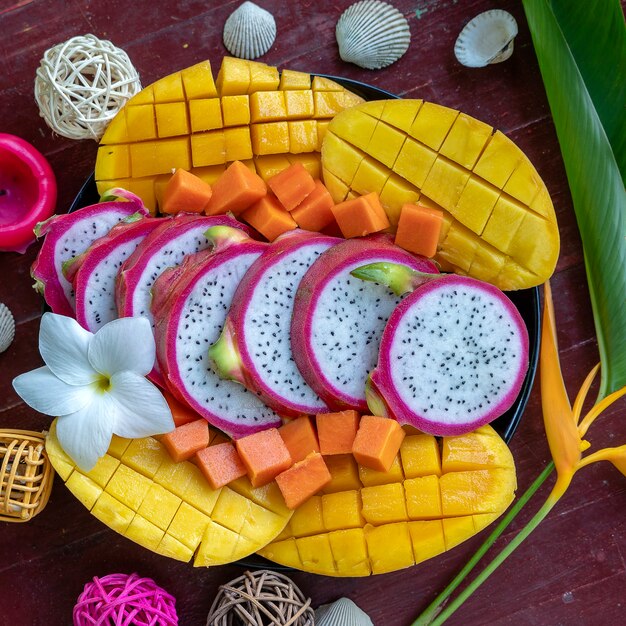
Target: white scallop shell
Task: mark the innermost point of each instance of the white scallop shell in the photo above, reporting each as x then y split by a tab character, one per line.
249	31
372	34
7	327
343	612
488	38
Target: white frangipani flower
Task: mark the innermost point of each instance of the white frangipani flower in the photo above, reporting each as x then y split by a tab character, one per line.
96	385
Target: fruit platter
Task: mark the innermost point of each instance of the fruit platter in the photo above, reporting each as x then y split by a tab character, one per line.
291	321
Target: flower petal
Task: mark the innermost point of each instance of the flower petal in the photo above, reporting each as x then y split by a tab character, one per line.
125	344
64	344
46	393
86	434
144	410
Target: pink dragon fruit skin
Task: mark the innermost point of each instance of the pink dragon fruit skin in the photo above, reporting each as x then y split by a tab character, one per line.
69	235
189	305
164	247
93	273
338	320
452	358
255	347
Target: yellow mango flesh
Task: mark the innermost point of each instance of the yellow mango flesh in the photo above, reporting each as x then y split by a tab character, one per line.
189	120
137	490
436	495
500	222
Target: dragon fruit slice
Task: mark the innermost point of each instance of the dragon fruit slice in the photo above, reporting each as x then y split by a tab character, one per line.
254	347
189	306
93	273
338	320
69	235
453	355
164	247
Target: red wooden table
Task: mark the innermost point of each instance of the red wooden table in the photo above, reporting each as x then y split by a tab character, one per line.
571	571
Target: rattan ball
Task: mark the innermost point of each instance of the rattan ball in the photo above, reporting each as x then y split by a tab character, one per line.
81	84
259	598
124	599
26	475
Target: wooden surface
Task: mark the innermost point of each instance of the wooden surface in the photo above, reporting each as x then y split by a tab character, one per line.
571	571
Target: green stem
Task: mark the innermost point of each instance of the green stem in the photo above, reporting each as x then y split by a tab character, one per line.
435	607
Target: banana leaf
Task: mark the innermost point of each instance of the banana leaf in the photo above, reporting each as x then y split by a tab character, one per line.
581	49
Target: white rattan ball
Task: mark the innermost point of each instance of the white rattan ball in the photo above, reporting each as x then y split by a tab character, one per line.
81	84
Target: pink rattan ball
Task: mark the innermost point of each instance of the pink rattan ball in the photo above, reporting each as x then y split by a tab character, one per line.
124	599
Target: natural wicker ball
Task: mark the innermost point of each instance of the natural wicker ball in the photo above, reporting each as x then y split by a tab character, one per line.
124	599
81	84
259	598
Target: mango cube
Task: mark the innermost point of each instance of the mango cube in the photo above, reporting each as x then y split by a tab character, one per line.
389	547
432	124
420	456
174	549
169	88
208	148
144	455
302	136
427	539
198	81
371	477
383	504
112	512
299	104
262	77
267	106
292	80
386	143
159	157
342	510
237	144
171	119
270	138
308	518
113	162
349	550
423	498
159	506
140	122
103	470
456	530
466	140
128	486
234	77
85	489
144	532
188	525
315	552
236	110
205	114
414	162
217	547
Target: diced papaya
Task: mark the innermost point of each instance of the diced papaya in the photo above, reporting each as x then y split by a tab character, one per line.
315	211
264	454
268	216
292	185
236	190
303	480
181	413
336	431
220	464
299	437
418	229
377	442
184	441
361	216
185	193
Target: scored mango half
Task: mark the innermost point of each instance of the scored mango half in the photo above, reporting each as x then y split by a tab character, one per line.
499	223
190	120
140	492
436	495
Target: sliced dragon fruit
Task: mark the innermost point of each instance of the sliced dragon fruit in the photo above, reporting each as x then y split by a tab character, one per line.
69	235
189	306
254	347
164	247
93	273
338	320
453	355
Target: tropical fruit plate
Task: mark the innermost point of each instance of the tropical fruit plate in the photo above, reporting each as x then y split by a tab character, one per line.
437	492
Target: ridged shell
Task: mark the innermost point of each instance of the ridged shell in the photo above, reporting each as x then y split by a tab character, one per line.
488	38
343	612
249	31
7	327
372	34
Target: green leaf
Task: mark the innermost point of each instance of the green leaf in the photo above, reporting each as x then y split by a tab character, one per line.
580	109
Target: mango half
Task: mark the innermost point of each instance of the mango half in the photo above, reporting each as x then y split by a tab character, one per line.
499	222
138	491
437	494
190	120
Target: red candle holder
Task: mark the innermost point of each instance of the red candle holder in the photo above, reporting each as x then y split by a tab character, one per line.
28	192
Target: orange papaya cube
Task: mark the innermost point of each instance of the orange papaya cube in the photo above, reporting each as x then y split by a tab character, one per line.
220	464
299	437
336	431
377	442
303	480
185	193
292	185
184	441
268	217
264	454
315	211
361	216
181	413
235	190
418	229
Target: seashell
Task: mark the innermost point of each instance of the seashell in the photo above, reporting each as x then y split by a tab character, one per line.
343	612
7	327
488	38
372	34
249	31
